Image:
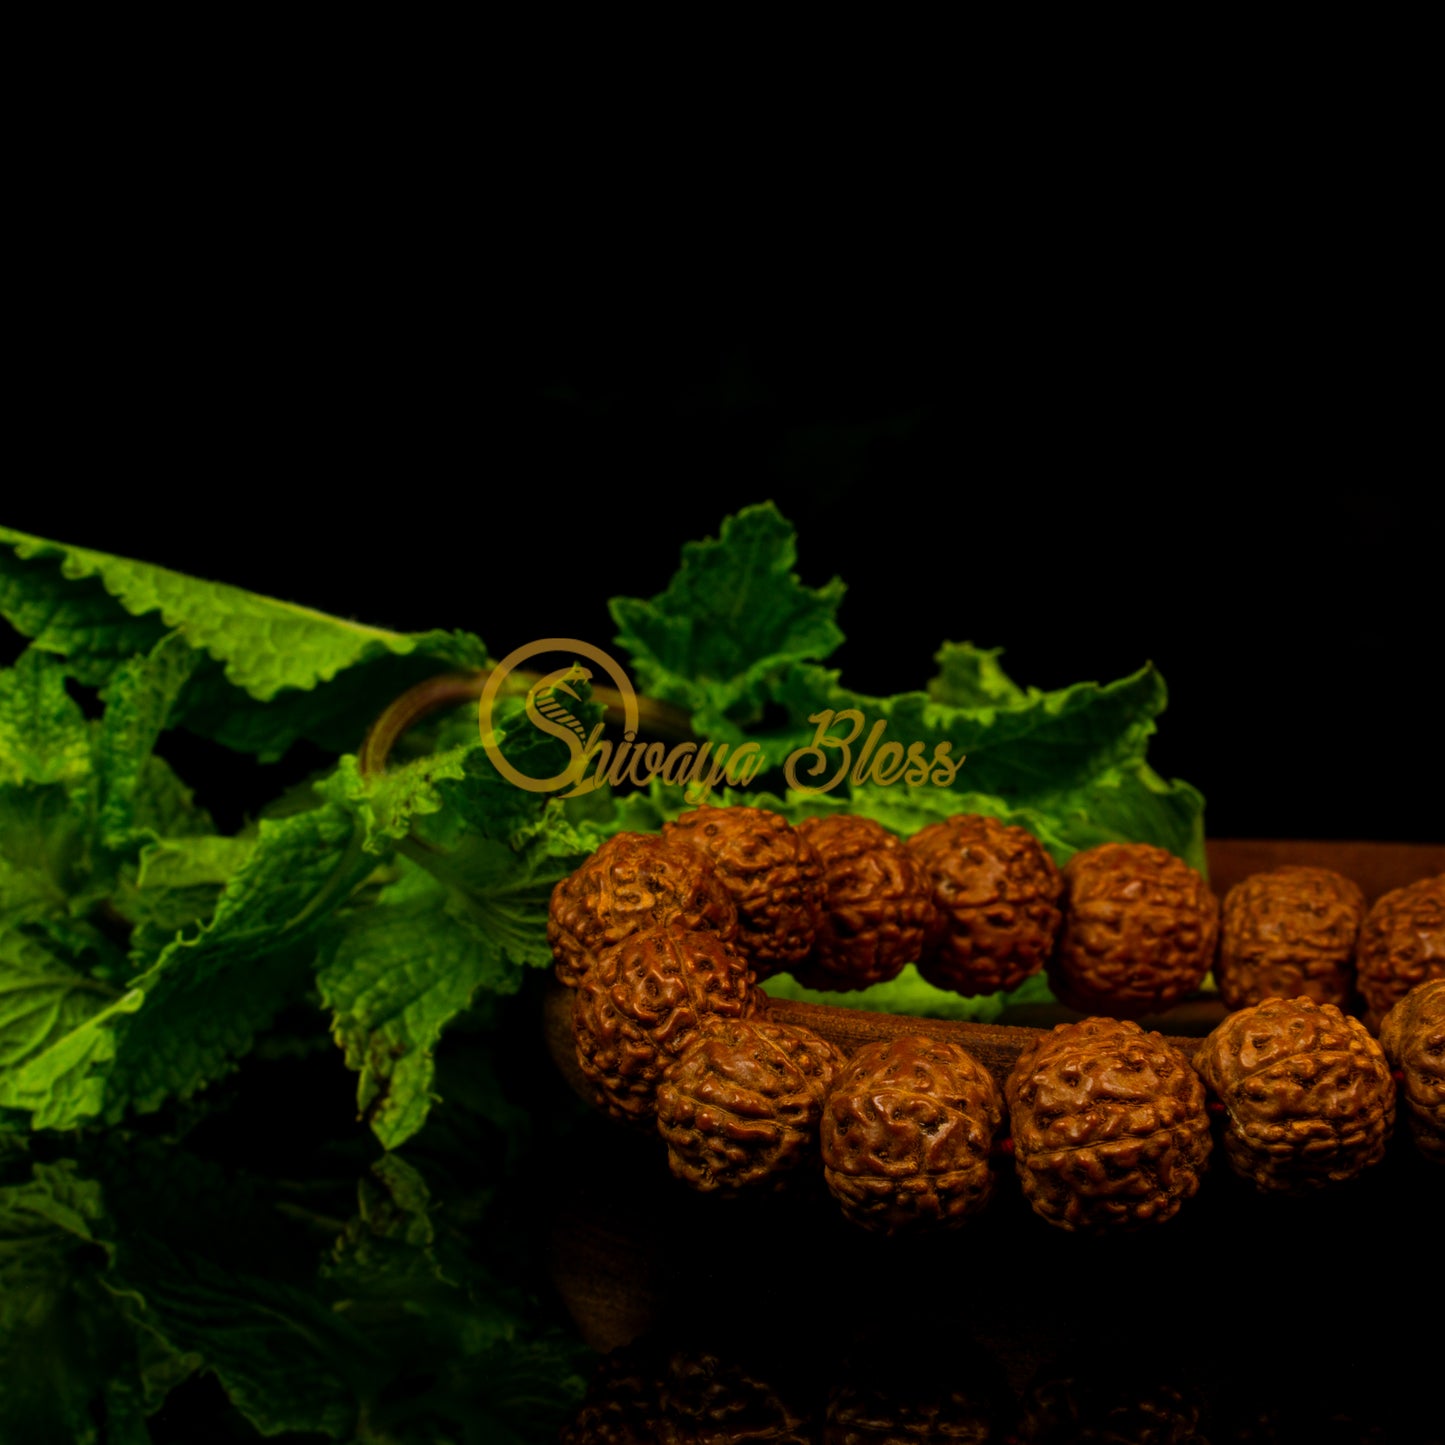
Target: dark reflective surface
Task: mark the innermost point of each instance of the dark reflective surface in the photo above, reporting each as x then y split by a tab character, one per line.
1244	1319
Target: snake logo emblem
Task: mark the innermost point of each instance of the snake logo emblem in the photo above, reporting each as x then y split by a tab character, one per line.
547	708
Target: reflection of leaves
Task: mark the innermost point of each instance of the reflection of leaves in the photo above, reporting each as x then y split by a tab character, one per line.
418	1288
69	1362
122	1277
286	1359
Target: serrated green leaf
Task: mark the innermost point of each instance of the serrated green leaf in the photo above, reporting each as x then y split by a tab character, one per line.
41	1000
184	1021
462	783
265	645
139	699
67	613
1134	804
388	804
455	924
398	976
970	676
176	886
43	733
910	993
322	677
200	861
164	806
45	845
1021	751
733	614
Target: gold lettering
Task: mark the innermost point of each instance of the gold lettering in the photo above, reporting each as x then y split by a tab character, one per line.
824	721
619	758
885	771
698	764
860	773
596	746
744	764
917	774
682	753
716	771
944	769
639	759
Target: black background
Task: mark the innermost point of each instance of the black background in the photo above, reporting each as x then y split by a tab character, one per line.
1238	492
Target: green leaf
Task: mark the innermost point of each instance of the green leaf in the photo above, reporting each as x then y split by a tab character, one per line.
1022	751
402	968
1134	804
183	1022
201	861
323	677
903	810
43	733
970	676
910	993
163	806
41	999
388	804
68	611
45	850
176	887
733	614
139	700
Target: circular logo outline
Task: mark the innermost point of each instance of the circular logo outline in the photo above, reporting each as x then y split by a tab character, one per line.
574	768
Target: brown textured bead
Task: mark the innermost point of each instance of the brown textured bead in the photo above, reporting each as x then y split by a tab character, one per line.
1402	944
902	1386
739	1107
997	894
877	912
1145	1395
716	1399
1109	1126
633	881
644	1000
1289	933
648	1394
906	1135
625	1404
772	873
1413	1038
1139	931
1307	1093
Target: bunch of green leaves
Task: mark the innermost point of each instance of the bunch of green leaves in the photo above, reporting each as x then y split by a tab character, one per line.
143	953
145	956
